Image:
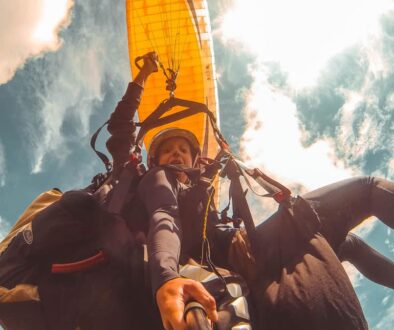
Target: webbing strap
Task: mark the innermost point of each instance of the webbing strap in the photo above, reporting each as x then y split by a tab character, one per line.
121	189
155	119
174	117
102	156
240	204
274	189
234	169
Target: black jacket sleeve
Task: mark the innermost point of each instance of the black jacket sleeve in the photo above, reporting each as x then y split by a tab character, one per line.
121	125
173	232
159	192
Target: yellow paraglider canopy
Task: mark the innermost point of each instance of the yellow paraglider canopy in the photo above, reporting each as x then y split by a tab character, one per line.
179	32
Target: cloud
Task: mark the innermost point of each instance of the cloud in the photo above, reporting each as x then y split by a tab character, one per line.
301	40
354	275
320	107
321	100
366	227
389	242
391	169
352	105
70	85
28	29
272	139
3	171
387	320
67	92
4	227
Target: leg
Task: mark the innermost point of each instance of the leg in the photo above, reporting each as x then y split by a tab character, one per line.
343	205
368	261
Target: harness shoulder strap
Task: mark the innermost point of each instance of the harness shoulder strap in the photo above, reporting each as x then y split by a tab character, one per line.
102	156
127	183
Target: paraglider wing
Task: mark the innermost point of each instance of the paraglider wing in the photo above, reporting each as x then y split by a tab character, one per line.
179	31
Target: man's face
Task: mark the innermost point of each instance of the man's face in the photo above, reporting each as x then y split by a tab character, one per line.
175	150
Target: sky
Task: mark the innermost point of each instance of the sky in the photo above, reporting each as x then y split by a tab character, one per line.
309	84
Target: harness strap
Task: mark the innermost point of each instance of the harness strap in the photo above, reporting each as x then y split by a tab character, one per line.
173	117
276	190
102	156
115	205
155	119
130	172
240	204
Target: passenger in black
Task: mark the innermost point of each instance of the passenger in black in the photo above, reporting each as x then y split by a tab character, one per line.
319	276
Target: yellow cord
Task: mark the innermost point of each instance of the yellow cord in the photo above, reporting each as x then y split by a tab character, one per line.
204	228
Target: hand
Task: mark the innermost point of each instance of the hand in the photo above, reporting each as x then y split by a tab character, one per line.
151	62
240	257
172	297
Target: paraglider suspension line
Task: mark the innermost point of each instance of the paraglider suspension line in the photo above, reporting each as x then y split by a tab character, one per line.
171	76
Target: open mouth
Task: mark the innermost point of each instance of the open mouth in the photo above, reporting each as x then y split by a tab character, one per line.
176	162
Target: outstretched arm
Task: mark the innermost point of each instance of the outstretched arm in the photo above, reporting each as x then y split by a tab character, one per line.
158	190
121	125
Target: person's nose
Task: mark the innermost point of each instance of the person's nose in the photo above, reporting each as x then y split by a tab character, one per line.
175	152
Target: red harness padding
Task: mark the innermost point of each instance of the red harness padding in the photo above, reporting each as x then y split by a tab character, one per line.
81	265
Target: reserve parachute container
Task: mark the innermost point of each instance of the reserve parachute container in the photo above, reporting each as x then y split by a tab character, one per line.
179	32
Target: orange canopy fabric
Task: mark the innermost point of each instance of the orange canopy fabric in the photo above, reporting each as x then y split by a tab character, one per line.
179	31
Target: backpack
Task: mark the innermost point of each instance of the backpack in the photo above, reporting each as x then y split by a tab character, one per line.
23	223
22	306
24	297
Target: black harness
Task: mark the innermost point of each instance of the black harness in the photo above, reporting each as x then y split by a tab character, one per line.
203	179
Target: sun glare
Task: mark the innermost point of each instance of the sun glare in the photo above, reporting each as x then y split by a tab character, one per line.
301	35
54	12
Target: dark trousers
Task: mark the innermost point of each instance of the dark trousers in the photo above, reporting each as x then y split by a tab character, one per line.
344	205
302	284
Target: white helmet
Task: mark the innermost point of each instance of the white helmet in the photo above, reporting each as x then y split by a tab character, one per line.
168	133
